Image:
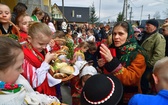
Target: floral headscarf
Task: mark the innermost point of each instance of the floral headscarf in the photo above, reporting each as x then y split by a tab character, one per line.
129	50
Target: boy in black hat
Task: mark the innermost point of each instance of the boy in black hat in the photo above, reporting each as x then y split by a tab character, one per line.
102	89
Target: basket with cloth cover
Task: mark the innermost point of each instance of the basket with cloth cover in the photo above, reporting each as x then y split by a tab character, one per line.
62	68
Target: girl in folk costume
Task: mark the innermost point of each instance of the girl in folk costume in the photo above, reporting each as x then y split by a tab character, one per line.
5	26
129	63
22	21
36	61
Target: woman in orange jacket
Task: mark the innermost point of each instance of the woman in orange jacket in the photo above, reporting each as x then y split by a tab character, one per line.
125	59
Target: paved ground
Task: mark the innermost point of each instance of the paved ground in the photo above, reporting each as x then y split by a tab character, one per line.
66	96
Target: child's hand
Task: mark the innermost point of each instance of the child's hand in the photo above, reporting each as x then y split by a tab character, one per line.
101	62
49	56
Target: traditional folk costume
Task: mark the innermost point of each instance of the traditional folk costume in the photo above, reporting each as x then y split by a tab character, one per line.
128	65
22	93
36	71
23	37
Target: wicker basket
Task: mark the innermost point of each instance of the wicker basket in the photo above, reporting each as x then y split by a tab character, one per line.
63	79
67	78
61	52
16	29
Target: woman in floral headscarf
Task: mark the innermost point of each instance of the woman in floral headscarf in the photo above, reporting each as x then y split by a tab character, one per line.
125	59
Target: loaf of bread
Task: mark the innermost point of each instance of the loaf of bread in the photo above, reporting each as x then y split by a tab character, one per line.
67	69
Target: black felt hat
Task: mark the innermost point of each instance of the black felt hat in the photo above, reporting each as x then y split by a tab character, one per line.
153	22
101	89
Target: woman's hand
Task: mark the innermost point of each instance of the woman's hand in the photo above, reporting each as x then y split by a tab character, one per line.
49	56
106	53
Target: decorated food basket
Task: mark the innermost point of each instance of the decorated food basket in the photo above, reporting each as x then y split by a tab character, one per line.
15	31
62	68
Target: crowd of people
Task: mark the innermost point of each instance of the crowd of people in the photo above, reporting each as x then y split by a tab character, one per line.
120	65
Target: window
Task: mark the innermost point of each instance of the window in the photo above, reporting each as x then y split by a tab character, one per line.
56	15
73	13
78	16
60	15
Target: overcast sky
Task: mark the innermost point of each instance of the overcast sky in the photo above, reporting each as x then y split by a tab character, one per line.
110	9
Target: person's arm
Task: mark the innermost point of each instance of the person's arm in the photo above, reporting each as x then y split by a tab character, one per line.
34	75
128	75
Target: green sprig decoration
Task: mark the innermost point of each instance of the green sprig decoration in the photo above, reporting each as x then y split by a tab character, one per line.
70	45
13	36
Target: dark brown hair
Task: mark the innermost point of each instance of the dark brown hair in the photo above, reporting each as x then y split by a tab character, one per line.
46	18
20	8
92	46
123	25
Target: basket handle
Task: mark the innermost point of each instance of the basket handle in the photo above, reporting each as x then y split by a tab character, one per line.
60	40
67	78
17	29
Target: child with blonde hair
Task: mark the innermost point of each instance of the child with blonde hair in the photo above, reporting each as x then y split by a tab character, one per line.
36	61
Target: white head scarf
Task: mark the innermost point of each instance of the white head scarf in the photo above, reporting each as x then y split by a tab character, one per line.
88	70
